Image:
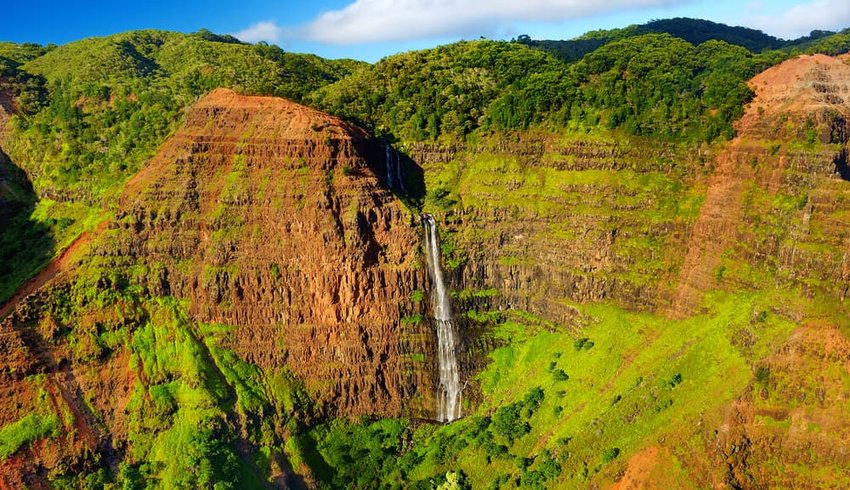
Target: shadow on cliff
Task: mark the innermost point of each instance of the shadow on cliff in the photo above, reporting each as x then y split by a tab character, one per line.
841	165
26	245
398	172
414	180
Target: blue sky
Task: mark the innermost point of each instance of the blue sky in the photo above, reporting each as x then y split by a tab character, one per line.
371	29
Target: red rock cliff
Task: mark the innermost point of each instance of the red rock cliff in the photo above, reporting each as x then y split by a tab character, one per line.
791	145
266	216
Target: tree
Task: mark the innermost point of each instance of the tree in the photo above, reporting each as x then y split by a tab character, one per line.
456	480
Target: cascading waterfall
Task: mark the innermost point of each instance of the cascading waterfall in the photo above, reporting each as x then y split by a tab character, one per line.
398	172
448	407
395	174
390	171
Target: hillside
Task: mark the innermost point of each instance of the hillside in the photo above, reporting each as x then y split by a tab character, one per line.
651	84
224	263
94	111
234	315
695	31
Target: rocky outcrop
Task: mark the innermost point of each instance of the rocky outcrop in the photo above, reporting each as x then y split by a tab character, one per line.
773	201
260	215
267	216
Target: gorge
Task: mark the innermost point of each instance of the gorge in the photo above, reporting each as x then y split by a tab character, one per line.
483	265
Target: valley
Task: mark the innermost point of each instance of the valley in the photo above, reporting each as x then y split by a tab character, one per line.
226	266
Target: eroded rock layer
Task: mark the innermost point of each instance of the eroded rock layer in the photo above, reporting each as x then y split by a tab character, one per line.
266	215
260	218
774	200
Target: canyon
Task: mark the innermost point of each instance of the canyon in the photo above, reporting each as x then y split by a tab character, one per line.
274	266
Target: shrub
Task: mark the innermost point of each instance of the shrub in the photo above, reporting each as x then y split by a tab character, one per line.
762	375
583	343
675	381
30	428
610	454
509	423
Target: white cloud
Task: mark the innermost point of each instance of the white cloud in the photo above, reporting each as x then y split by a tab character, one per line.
261	31
801	19
366	21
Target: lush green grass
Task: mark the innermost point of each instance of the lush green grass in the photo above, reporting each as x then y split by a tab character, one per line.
562	411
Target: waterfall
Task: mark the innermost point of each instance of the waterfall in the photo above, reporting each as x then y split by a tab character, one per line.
448	407
398	172
395	174
390	171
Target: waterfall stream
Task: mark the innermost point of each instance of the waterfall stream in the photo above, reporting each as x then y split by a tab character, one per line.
395	174
390	171
448	407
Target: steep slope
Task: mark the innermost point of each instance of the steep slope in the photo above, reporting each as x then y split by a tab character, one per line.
266	216
633	310
257	273
6	111
570	253
791	143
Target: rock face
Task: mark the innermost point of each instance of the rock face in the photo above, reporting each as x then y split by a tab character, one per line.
549	221
266	216
260	215
792	143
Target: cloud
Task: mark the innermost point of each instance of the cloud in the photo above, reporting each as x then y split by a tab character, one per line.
367	21
801	19
261	31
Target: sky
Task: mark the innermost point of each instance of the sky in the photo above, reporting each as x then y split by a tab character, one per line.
371	29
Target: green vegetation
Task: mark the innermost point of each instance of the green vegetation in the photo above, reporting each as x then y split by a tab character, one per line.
638	83
680	79
695	31
548	432
18	434
556	405
442	91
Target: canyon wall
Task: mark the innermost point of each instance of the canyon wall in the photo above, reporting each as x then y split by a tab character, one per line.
269	226
550	220
259	218
270	217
